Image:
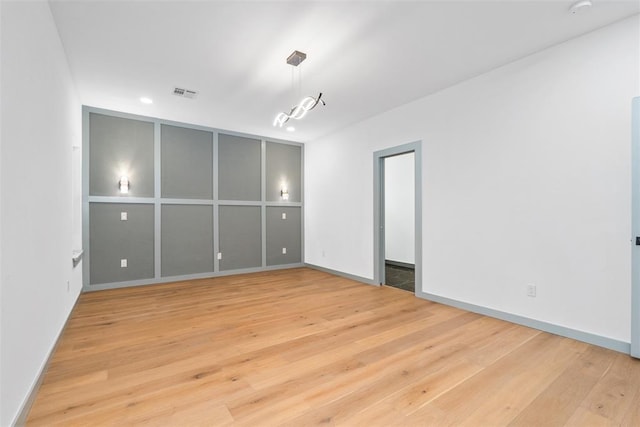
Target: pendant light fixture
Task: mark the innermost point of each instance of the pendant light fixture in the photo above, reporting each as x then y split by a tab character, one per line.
306	104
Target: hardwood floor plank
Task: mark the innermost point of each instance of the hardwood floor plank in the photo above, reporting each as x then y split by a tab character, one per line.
632	417
400	370
517	389
431	386
303	347
381	415
614	396
494	395
556	404
584	417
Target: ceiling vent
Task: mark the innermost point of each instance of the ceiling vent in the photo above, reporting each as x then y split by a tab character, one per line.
185	93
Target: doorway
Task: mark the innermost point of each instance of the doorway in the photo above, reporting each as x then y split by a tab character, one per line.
397	217
399	221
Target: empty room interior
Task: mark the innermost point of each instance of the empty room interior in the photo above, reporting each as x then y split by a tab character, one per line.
320	213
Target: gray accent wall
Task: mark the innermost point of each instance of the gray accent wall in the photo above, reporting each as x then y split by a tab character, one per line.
239	168
284	232
113	239
240	237
202	202
187	236
187	163
120	147
283	169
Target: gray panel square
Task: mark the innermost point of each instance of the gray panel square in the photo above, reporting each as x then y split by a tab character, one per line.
240	237
187	239
112	240
239	171
120	147
283	169
187	163
284	233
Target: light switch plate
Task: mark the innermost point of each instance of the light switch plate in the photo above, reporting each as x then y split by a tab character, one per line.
123	216
284	251
123	263
284	215
219	255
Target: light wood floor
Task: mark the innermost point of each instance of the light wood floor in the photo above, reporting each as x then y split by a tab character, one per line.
301	347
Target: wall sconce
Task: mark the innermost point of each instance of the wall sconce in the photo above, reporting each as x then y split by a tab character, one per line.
123	185
284	193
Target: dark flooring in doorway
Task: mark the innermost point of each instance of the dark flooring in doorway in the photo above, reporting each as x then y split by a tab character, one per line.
400	277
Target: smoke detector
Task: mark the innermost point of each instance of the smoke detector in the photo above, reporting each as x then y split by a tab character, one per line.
185	93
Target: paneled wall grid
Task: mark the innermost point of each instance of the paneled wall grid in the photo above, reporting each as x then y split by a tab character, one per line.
201	202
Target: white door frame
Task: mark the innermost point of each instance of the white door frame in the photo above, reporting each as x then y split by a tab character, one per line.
378	210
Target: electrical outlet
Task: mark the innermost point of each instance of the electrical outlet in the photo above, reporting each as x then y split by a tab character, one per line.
123	216
284	215
531	290
219	255
123	263
284	251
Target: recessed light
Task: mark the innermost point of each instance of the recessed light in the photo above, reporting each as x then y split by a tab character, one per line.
146	100
290	129
580	6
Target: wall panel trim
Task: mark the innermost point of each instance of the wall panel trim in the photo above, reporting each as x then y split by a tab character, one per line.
158	201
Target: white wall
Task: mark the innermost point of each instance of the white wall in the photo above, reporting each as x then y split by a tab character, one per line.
399	210
526	179
41	121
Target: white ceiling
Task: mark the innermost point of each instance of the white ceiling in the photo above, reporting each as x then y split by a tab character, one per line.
366	57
